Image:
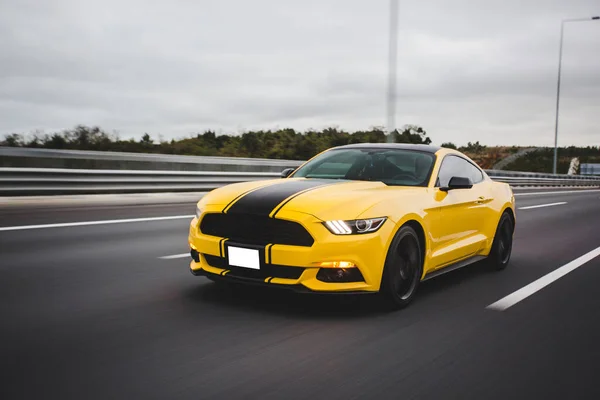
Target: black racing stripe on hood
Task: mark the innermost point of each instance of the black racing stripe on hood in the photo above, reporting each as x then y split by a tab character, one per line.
263	201
240	196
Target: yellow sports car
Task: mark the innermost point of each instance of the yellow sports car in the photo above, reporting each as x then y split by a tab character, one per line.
360	218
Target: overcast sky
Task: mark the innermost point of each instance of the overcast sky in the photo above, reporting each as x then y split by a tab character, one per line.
467	70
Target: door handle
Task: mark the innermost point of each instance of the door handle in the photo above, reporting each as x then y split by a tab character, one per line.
480	200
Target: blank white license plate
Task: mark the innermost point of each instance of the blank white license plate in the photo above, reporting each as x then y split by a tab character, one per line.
245	258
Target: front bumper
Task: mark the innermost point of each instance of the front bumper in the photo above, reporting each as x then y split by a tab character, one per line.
297	288
296	267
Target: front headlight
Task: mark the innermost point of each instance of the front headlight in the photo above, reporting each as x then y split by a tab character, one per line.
198	212
356	226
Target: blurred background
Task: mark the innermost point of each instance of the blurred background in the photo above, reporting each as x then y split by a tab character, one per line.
192	78
116	117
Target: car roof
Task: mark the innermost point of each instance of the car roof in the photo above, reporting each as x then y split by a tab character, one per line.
397	146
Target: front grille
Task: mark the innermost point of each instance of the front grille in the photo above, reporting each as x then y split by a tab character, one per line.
268	270
255	229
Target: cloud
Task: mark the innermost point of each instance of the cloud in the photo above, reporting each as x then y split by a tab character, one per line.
467	70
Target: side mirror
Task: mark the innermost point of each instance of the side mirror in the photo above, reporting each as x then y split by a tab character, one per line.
458	182
287	172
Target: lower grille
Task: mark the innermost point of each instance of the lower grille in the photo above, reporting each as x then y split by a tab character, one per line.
255	229
268	270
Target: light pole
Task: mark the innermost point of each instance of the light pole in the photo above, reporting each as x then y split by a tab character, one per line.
562	29
393	53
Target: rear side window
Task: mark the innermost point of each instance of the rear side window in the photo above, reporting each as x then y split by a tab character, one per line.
457	166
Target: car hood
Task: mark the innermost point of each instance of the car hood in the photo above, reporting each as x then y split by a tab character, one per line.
324	199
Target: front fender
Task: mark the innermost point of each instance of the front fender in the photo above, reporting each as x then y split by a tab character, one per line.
417	209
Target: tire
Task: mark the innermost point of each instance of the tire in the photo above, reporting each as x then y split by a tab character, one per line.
403	269
501	251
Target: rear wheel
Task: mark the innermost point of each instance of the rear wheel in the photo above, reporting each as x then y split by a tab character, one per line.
403	269
502	247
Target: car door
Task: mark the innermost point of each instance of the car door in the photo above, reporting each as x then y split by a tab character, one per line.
458	229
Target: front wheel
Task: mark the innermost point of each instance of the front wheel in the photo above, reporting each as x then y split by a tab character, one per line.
403	269
502	246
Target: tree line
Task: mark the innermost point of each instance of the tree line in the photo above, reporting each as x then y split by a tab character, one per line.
281	144
542	159
287	144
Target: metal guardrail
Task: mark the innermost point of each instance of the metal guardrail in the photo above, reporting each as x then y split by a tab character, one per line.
590	169
79	172
519	179
18	157
51	181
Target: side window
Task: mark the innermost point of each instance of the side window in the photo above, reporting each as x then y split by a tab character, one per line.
475	174
456	166
450	167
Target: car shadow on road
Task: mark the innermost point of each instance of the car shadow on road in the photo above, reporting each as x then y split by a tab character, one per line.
266	300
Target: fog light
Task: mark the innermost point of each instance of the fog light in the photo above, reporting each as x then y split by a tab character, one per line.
340	275
337	264
195	255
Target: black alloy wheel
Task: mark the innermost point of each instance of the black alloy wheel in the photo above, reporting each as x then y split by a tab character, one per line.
503	241
403	269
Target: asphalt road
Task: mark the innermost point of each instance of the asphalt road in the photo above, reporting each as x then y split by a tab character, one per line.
92	312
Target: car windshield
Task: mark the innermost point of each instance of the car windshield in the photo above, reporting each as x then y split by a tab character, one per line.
398	167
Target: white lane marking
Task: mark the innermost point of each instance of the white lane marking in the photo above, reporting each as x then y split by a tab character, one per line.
557	192
123	198
542	282
86	223
543	205
174	256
